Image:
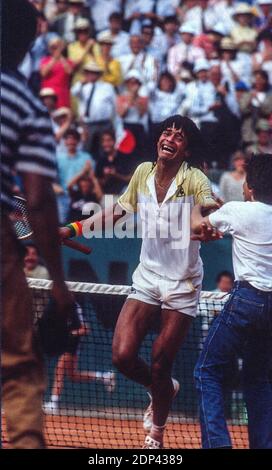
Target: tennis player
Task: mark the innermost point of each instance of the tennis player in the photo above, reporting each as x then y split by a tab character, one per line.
68	364
28	149
167	282
244	327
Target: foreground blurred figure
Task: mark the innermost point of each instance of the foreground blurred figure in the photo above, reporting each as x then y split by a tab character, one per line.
25	132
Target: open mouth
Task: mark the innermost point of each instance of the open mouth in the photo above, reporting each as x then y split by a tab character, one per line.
168	149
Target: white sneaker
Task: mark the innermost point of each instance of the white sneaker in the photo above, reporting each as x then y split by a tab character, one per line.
50	407
148	414
109	381
150	443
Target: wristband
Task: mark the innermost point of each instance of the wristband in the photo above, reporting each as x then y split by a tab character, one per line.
76	229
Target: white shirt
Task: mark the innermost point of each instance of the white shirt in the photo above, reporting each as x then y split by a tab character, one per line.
102	106
199	97
121	44
250	225
101	10
194	16
162	104
181	52
143	62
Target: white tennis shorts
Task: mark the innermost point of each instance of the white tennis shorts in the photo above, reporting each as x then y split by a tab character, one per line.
151	288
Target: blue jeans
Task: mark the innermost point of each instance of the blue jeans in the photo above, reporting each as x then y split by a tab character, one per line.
243	329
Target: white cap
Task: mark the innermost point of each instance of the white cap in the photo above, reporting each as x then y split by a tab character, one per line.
47	92
264	2
188	28
105	37
243	9
134	74
92	66
81	23
201	64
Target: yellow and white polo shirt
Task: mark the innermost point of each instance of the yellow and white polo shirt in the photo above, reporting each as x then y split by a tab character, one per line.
167	249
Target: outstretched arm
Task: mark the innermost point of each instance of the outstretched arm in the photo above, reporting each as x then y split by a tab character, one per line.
201	226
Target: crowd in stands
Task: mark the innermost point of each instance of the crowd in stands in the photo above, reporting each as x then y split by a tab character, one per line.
109	71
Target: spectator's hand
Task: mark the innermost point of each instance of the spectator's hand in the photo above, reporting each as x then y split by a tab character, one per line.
63	298
222	89
207	234
90	43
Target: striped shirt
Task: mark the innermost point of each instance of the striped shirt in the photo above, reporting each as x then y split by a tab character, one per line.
27	140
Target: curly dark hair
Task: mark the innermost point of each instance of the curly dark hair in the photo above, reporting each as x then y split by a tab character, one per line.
259	177
197	148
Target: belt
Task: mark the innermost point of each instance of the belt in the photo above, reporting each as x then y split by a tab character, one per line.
247	285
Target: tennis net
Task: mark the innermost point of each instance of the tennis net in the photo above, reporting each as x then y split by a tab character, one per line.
89	404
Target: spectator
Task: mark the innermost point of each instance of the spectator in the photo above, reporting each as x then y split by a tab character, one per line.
264	19
70	163
232	66
121	38
62	119
202	15
224	282
49	99
111	67
139	60
200	104
96	104
184	54
135	12
83	189
152	41
231	182
132	107
30	66
243	33
80	52
56	72
32	265
170	36
64	23
165	99
101	10
264	138
114	170
262	59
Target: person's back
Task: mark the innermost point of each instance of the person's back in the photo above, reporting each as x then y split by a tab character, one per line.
250	224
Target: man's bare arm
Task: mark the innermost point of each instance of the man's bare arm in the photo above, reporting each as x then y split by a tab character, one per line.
43	217
201	226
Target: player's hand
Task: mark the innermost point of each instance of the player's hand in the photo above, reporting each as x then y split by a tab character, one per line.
207	234
64	299
64	232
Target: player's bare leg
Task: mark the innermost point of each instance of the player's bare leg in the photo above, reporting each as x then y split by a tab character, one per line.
133	324
174	328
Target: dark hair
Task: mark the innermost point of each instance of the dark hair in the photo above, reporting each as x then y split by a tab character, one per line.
109	132
170	77
197	147
72	132
30	244
170	19
259	176
265	34
116	16
265	76
19	28
224	274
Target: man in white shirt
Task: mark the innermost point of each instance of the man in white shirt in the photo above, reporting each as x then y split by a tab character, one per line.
203	16
135	12
101	10
244	327
121	38
96	101
139	60
184	52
